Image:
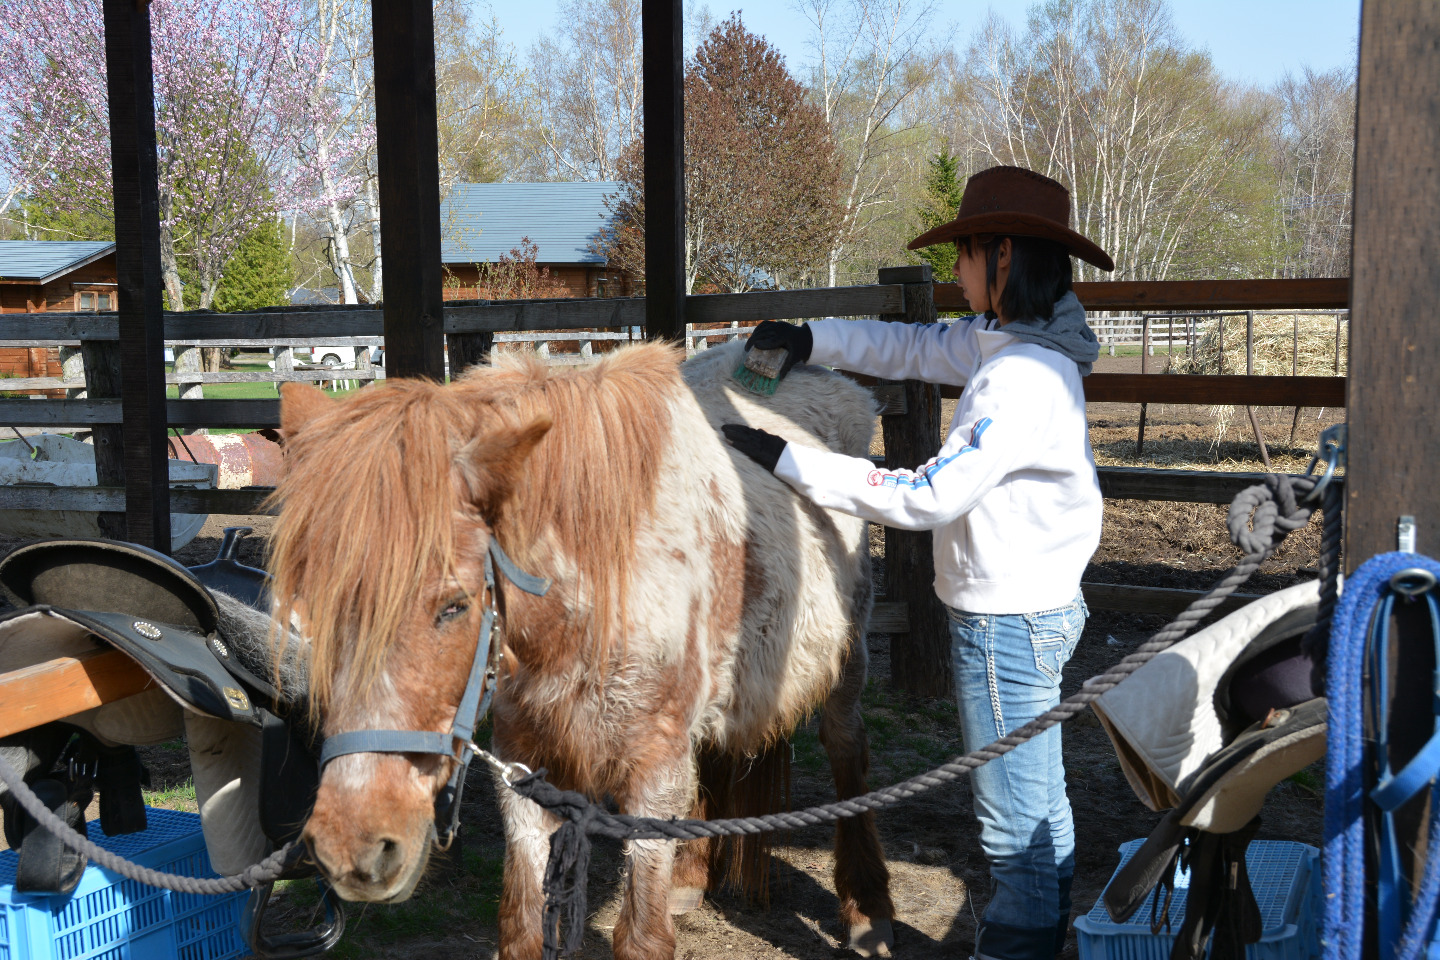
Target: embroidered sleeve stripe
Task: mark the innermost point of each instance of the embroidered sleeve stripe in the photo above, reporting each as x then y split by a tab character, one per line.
921	478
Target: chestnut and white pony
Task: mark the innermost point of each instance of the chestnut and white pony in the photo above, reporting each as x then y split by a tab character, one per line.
700	610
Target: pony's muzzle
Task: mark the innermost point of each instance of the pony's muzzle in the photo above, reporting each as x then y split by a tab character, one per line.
372	844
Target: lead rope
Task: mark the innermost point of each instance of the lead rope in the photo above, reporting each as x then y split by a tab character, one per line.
1260	517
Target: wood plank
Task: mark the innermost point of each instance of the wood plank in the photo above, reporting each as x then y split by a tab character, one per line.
795	304
893	617
140	442
1193	388
180	413
1214	389
1176	486
662	28
64	686
408	153
1148	296
45	497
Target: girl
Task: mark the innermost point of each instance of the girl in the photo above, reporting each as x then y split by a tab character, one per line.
1014	504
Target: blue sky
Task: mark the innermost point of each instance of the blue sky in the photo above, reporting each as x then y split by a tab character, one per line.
1250	40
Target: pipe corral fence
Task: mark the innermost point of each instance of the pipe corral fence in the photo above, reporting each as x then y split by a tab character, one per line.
910	411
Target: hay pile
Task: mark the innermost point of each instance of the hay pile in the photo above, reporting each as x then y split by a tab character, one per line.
1275	347
1276	351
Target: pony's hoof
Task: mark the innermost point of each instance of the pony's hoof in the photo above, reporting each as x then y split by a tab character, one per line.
685	899
875	938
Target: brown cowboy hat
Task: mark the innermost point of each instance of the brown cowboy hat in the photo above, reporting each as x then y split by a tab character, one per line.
1015	202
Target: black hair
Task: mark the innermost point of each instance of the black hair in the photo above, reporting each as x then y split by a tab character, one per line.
1040	274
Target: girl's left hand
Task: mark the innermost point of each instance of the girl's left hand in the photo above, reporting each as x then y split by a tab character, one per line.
762	447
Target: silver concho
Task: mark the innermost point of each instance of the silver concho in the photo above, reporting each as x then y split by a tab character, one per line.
147	630
219	647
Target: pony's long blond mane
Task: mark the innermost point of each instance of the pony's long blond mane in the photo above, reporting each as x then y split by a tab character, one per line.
371	503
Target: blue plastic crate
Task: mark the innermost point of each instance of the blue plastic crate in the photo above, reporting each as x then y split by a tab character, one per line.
1285	877
108	917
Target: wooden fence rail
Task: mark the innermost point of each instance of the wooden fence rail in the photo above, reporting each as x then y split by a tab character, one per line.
474	327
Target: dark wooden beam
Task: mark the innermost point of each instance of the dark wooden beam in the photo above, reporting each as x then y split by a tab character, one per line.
1394	353
407	145
137	265
1205	388
663	30
1151	296
921	665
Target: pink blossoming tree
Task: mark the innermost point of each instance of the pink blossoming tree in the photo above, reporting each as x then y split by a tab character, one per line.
235	104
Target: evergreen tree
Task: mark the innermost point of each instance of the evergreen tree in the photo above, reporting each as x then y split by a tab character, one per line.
258	274
942	200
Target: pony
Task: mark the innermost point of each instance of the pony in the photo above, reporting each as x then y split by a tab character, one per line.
700	610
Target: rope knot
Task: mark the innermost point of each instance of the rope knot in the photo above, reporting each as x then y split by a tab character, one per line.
1261	516
568	869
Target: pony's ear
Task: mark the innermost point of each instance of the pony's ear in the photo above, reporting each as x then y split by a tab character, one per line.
491	463
299	404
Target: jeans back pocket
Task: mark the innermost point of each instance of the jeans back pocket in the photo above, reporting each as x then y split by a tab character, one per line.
1053	636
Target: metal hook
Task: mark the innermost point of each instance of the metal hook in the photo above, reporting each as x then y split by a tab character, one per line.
1332	448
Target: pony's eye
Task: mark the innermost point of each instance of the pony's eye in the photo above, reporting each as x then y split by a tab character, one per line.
452	611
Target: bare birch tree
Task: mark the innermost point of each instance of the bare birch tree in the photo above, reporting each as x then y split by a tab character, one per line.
1316	143
871	57
585	89
1100	95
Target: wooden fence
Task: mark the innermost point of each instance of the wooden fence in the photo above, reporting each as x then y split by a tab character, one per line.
910	416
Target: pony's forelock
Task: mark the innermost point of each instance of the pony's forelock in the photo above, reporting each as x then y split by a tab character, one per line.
371	502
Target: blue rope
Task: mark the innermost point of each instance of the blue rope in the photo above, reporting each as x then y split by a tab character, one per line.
1344	861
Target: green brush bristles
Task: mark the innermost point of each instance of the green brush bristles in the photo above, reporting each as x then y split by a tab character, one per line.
761	371
755	382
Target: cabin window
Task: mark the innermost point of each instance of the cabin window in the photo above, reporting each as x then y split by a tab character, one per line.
103	301
87	301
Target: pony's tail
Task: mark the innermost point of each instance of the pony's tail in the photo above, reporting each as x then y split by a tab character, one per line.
735	785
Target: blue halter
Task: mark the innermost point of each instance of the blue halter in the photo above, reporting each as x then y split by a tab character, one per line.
474	704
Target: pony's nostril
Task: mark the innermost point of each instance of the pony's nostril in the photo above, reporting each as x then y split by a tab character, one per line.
380	862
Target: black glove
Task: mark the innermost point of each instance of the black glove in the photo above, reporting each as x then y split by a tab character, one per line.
771	334
764	448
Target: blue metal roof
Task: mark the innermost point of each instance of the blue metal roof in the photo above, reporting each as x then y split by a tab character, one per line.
480	222
44	260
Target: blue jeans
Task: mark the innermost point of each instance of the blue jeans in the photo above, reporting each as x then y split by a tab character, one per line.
1007	673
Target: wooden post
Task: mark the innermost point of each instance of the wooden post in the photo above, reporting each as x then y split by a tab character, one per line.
1295	346
407	145
1144	340
136	454
468	349
1392	389
920	661
1337	344
663	31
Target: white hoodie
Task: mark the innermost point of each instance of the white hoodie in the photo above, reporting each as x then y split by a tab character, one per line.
1012	497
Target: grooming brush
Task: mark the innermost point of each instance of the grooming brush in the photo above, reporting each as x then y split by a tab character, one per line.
762	370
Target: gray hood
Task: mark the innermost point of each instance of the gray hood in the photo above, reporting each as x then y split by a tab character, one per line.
1065	332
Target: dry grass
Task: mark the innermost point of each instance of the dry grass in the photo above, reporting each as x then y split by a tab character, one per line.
1282	345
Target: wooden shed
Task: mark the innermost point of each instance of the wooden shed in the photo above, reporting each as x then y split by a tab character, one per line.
565	221
52	276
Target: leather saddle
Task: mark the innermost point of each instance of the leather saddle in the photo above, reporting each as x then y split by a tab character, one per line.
203	636
1203	731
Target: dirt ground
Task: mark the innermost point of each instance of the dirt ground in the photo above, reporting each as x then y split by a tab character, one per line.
939	878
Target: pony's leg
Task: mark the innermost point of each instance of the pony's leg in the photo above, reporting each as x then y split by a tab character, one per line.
527	847
862	880
644	931
695	859
690	877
